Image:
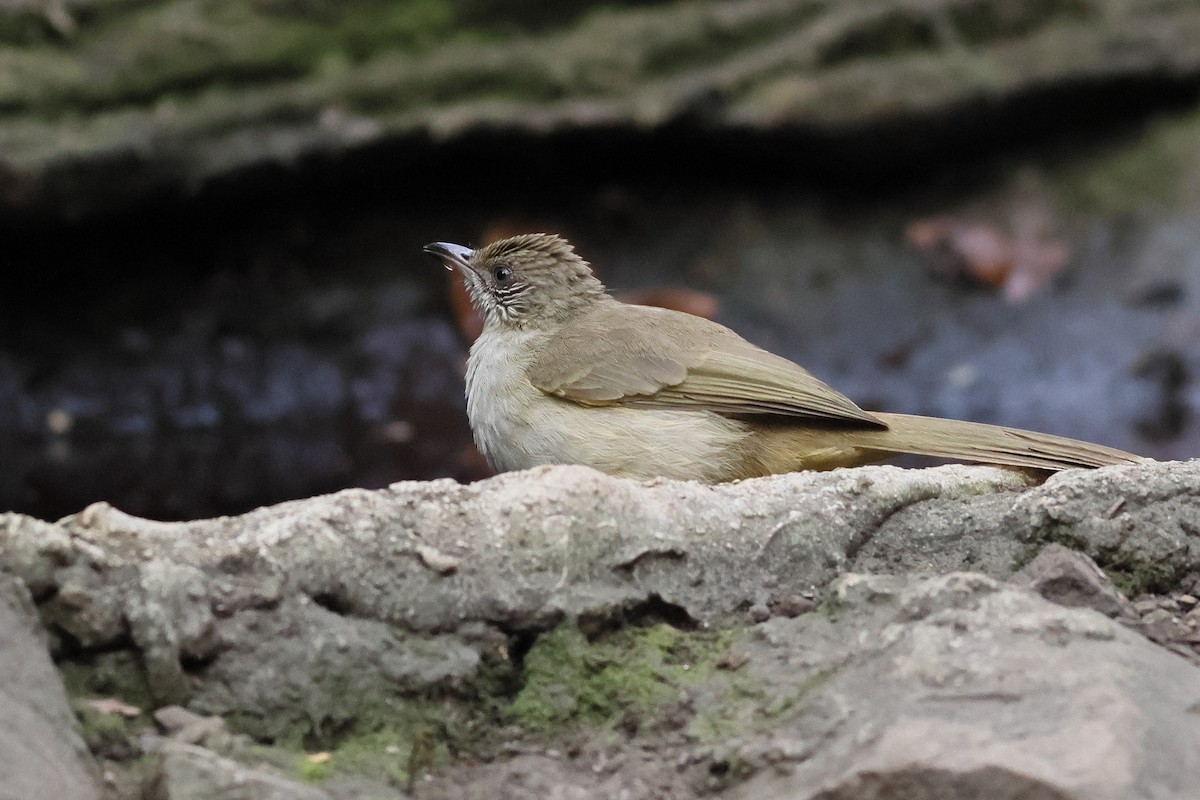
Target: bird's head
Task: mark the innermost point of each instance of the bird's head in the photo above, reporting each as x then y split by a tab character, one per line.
527	280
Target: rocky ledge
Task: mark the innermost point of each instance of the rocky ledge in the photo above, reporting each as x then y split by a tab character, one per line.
862	633
109	105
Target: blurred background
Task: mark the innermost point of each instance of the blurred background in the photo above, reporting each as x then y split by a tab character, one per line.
213	294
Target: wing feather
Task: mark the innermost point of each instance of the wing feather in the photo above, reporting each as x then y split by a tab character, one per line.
660	358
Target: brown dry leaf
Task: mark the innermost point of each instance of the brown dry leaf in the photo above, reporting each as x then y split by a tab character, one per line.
318	758
111	705
1035	259
978	252
956	249
1035	263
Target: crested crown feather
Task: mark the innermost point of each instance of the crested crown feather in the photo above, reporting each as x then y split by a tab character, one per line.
549	244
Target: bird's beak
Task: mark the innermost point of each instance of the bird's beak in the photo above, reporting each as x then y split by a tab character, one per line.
452	255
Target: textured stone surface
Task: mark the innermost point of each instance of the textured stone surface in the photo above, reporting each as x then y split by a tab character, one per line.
186	772
112	103
368	570
474	635
956	686
1147	530
1070	578
961	686
41	751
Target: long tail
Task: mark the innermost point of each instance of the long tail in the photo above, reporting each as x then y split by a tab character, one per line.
989	444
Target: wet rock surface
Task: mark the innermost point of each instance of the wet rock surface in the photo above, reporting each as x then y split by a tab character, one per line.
564	632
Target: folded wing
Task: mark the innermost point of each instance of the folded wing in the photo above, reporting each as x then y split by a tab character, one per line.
653	357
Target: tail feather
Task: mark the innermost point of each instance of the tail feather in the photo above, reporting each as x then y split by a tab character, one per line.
989	444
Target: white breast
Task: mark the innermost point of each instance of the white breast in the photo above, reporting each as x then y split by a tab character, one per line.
516	426
498	396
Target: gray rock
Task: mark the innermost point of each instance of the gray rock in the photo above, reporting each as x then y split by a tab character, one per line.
184	726
340	611
967	534
530	547
1072	579
145	124
41	751
1145	526
956	686
964	687
336	599
631	776
186	772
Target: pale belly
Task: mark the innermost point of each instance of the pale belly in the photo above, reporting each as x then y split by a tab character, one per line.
517	427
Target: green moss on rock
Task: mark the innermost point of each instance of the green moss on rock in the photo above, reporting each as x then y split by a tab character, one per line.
403	740
569	679
979	21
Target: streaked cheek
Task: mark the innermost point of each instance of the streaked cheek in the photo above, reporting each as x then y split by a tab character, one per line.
514	300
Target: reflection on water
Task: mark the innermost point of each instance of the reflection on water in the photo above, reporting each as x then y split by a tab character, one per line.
206	369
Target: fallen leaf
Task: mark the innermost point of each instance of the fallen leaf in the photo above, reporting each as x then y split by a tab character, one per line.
954	249
111	705
979	253
1034	263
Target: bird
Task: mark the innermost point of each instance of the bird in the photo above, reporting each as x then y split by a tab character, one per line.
563	373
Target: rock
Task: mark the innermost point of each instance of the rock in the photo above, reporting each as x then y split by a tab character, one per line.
636	777
173	719
321	619
186	772
335	599
955	686
42	753
853	589
961	686
758	613
1143	530
184	726
315	83
793	605
528	547
170	618
1072	579
964	534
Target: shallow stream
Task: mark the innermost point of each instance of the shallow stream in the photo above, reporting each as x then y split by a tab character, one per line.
211	362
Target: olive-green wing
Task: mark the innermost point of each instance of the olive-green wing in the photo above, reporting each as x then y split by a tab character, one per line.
635	355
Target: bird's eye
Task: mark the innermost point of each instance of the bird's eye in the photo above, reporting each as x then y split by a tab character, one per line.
502	273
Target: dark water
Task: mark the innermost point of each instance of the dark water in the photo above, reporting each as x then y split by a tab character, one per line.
203	365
